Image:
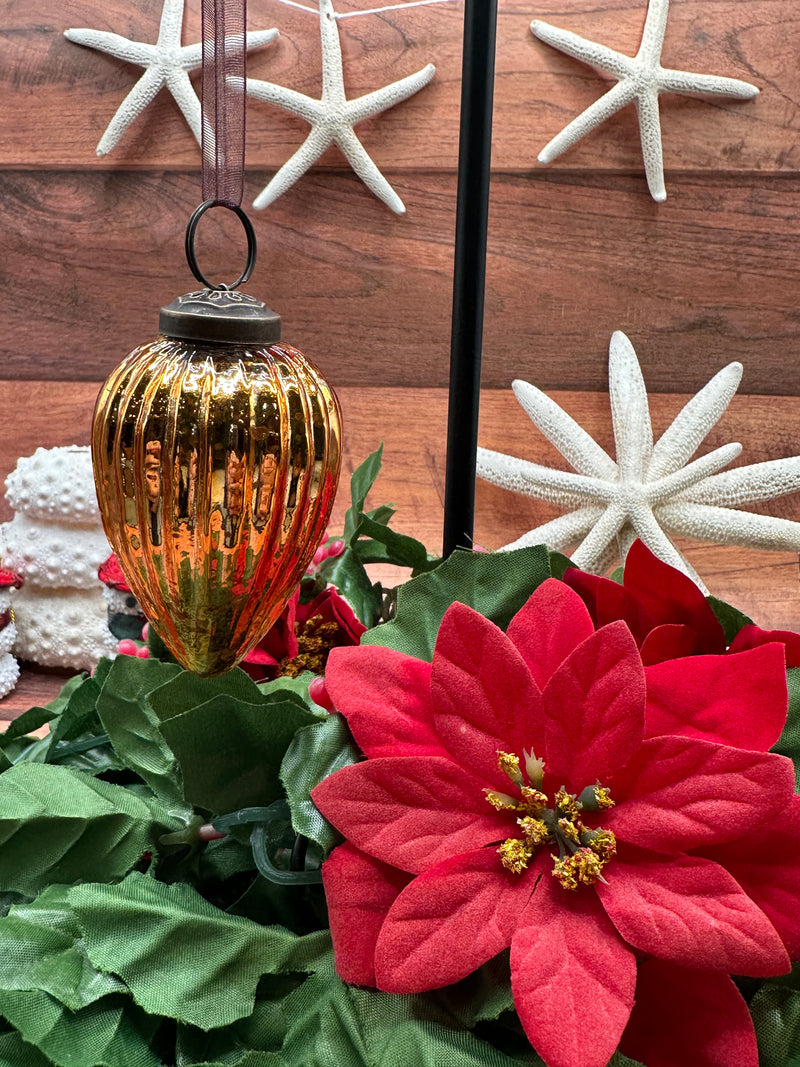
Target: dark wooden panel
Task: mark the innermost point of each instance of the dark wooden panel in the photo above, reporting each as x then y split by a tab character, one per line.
709	277
59	97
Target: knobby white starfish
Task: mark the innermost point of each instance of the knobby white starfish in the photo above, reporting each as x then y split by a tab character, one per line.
333	116
640	79
652	491
166	64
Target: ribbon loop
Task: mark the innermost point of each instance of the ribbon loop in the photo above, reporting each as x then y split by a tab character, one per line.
223	100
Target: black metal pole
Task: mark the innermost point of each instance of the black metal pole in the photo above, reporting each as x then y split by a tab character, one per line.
472	220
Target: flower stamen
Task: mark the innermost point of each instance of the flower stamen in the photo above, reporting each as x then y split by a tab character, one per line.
583	851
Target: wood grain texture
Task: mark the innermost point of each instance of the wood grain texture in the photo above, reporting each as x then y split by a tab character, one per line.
59	97
704	279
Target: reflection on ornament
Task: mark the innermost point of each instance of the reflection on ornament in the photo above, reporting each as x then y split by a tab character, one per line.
56	543
216	462
126	620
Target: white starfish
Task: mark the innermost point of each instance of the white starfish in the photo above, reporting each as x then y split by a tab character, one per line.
166	64
651	491
640	79
333	116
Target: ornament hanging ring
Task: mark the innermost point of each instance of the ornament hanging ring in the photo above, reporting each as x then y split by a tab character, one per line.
250	233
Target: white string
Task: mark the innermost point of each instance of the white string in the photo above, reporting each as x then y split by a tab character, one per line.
369	11
389	7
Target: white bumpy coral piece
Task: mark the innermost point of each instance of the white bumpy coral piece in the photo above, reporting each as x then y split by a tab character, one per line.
56	542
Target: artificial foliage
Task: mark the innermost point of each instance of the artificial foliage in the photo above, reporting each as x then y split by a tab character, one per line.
162	859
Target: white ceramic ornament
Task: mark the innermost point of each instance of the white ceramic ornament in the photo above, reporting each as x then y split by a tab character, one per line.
652	491
55	541
9	673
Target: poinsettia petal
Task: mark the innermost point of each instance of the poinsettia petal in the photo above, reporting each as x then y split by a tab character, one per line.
668	641
359	891
680	793
483	696
385	697
683	1016
572	977
594	708
609	601
766	864
411	812
669	596
753	636
449	921
548	627
736	699
690	911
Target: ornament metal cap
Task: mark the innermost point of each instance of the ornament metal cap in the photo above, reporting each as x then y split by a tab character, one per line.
220	316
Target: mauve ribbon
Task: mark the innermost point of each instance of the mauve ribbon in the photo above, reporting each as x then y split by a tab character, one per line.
224	59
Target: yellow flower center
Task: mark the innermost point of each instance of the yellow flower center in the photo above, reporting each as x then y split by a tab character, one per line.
315	639
583	851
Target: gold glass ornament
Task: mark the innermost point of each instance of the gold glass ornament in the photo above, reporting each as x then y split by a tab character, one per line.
216	451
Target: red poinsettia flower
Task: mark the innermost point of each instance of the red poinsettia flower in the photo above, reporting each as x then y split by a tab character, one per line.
666	612
525	790
303	636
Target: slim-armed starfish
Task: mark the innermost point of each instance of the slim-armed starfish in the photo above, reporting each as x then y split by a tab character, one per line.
333	116
640	79
167	64
653	490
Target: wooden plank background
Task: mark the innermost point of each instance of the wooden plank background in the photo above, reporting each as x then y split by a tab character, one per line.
91	247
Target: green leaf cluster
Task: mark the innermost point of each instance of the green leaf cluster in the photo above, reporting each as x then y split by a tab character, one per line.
368	538
132	935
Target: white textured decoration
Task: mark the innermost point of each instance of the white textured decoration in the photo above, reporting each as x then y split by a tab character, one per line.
652	491
9	669
54	553
333	117
60	612
9	673
167	64
640	80
63	627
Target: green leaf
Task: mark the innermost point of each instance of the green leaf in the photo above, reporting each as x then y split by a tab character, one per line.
315	753
230	751
776	1017
730	618
495	584
788	744
330	1023
14	1052
41	949
180	956
35	717
186	691
400	548
133	726
348	574
361	482
250	1059
260	1032
559	564
59	825
283	688
109	1033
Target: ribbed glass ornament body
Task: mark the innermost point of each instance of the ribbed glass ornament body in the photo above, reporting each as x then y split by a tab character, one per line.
216	468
